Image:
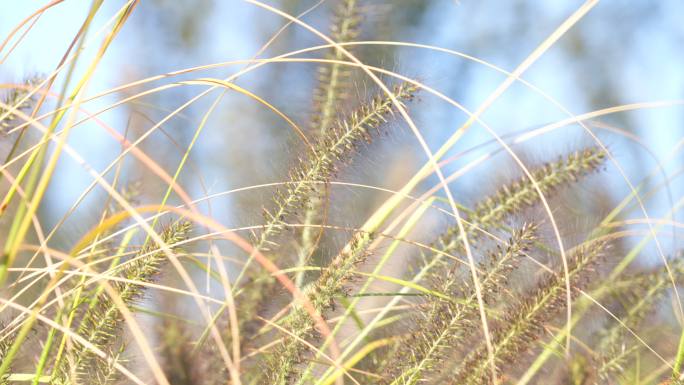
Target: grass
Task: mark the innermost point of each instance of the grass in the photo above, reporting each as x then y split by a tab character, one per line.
536	279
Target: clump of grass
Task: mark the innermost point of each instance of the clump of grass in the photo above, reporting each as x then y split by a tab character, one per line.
333	278
509	199
446	321
416	319
101	322
639	294
317	167
523	325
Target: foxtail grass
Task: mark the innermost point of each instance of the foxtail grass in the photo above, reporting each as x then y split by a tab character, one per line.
639	295
520	194
341	139
421	316
524	323
101	322
446	321
334	88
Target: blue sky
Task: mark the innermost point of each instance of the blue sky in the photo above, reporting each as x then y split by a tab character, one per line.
637	52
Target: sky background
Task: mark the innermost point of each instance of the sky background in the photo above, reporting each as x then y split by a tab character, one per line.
622	52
